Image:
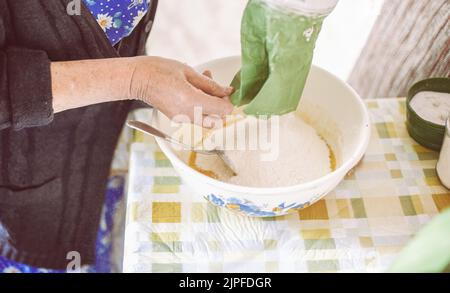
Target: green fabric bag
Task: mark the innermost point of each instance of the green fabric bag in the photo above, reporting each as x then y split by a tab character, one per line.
429	251
277	51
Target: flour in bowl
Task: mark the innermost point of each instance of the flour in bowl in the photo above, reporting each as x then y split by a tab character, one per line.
302	157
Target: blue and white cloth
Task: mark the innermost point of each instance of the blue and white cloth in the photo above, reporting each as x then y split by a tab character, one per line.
118	18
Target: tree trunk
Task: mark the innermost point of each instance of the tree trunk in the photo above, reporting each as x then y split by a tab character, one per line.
410	42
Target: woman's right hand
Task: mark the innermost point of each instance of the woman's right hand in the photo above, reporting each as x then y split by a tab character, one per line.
168	85
176	89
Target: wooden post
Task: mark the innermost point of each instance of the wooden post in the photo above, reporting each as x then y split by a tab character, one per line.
410	42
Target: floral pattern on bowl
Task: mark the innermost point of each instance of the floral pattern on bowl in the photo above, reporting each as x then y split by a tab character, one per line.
249	208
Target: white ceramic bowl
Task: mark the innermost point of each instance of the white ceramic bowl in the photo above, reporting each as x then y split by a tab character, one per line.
330	105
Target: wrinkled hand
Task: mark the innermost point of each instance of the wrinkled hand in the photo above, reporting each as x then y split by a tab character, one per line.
177	89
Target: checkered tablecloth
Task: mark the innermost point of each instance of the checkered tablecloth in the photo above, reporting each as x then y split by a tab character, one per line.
359	227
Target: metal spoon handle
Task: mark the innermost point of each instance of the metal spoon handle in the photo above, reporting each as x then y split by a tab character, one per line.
141	126
148	129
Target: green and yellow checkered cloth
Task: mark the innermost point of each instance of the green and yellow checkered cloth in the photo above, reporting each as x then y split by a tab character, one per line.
360	227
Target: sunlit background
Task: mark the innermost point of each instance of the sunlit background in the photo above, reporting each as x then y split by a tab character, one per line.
195	31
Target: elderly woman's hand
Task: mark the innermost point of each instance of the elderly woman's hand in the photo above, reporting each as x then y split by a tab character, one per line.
177	89
170	86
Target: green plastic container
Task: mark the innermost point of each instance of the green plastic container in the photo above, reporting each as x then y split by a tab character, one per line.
426	133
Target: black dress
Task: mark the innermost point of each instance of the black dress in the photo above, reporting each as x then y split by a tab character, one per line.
53	168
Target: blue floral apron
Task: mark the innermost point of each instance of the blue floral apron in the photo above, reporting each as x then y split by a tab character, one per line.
118	18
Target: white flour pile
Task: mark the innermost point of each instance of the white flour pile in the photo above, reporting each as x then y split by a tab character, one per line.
303	156
432	106
296	151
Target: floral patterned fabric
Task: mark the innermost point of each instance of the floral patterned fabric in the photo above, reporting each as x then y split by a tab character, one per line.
118	18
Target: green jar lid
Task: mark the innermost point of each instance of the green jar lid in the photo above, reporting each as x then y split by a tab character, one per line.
426	133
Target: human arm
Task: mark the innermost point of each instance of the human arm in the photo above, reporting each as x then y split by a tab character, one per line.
32	88
172	87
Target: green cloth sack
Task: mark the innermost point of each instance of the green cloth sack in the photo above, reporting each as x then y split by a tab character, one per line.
429	251
277	51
